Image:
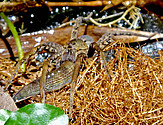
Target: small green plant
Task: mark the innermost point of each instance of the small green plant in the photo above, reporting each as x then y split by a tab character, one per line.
16	37
34	114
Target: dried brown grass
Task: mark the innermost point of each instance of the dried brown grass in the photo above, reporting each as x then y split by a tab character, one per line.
134	96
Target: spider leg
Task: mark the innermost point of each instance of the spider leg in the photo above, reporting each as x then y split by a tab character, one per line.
77	24
105	41
74	34
105	65
95	46
43	80
78	58
76	27
24	60
49	46
73	83
54	81
44	75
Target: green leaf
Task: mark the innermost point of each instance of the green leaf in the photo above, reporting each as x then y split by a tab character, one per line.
38	114
4	115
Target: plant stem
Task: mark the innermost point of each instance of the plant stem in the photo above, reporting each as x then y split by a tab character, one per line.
16	37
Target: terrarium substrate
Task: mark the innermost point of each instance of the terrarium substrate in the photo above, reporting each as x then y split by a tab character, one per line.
133	96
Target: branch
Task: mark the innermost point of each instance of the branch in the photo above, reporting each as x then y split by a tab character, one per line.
89	3
134	15
17	6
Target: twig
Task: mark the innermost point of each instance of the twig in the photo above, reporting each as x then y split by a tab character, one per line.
121	18
21	5
7	46
89	3
134	15
73	21
17	6
110	16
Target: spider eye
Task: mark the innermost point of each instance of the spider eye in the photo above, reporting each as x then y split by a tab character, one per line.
73	43
84	40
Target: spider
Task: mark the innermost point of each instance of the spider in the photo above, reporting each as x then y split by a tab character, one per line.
67	60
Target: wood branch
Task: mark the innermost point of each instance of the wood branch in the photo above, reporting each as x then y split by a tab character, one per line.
19	6
90	3
104	3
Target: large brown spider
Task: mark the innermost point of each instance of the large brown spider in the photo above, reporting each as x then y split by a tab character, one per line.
67	59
